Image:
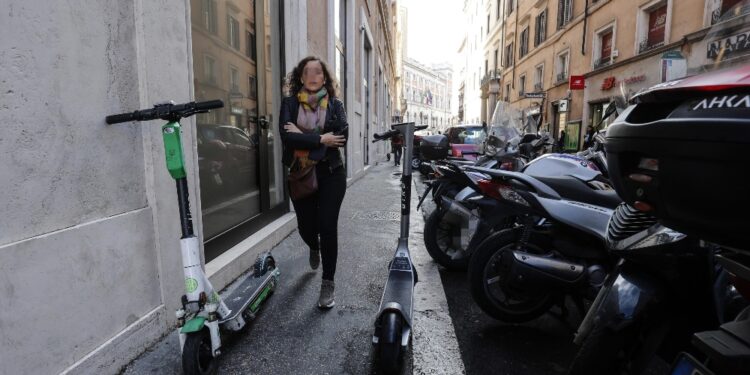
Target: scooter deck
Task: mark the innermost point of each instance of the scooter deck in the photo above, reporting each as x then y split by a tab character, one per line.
248	290
400	285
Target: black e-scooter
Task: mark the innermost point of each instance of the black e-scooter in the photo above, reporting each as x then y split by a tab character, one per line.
393	323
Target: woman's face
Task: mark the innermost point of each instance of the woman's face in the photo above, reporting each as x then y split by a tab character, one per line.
312	76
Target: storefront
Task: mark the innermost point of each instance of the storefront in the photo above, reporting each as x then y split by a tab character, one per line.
240	169
618	84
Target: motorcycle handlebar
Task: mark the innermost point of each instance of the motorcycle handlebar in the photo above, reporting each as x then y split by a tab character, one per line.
167	111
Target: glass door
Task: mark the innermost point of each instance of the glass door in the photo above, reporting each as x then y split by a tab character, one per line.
238	163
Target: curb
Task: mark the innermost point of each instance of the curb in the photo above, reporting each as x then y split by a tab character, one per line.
435	346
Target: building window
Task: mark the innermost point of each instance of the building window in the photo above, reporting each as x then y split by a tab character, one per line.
564	13
234	80
723	10
603	50
522	85
509	8
233	32
209	69
538	77
252	85
209	15
523	49
488	24
486	67
540	34
563	61
509	55
250	45
507	92
496	59
652	25
497	8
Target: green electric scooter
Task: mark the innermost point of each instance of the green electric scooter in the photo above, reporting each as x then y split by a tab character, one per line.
204	314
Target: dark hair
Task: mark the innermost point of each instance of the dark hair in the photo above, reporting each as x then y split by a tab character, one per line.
295	77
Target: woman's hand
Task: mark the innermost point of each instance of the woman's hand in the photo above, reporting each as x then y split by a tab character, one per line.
291	128
331	140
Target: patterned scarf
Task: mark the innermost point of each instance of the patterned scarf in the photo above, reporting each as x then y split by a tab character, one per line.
311	118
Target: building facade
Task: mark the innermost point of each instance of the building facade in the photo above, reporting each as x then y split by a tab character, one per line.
470	63
563	61
428	94
89	251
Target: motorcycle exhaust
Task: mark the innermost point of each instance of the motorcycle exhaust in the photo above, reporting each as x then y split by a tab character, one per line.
536	273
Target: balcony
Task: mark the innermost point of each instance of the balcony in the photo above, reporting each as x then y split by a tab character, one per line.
600	63
492	74
646	46
561	78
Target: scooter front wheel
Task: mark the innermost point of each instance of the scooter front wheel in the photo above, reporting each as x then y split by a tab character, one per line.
389	343
197	357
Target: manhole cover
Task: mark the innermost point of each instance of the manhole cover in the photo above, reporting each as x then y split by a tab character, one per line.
378	215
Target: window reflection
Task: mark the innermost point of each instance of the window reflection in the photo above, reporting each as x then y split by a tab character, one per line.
224	59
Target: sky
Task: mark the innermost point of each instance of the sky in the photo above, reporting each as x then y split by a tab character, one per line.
435	29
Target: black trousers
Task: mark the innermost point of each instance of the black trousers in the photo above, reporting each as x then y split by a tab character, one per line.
318	215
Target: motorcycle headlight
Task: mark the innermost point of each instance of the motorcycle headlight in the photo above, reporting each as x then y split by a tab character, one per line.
661	236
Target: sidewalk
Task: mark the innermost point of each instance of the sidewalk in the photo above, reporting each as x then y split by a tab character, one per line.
291	336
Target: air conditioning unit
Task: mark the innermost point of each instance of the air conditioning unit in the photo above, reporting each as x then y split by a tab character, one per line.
615	53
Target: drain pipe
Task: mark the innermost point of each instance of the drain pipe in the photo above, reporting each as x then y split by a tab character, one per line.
585	23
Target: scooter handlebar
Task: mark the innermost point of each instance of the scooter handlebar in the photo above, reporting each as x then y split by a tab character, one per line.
166	111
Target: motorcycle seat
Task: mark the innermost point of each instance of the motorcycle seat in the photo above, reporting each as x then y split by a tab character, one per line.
573	189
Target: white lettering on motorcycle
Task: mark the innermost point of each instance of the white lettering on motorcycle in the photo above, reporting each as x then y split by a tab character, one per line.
723	102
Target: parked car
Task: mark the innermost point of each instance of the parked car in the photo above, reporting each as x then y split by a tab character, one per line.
466	139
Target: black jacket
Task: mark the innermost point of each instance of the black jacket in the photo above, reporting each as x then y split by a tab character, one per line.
335	121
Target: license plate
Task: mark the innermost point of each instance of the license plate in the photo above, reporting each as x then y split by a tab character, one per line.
687	365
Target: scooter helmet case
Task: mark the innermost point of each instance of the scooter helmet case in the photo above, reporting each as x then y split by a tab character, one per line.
434	147
681	152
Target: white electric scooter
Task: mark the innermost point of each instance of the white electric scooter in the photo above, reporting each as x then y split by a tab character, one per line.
204	314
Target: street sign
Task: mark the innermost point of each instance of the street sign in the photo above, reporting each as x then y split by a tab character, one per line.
577	83
562	105
535	95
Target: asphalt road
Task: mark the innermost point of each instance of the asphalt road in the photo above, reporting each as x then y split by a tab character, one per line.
543	346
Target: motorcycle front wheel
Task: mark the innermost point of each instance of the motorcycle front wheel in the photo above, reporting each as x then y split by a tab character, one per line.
440	241
489	284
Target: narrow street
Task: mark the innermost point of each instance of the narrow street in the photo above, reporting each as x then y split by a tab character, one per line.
292	336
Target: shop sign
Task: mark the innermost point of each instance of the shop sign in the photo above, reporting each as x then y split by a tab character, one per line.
609	83
731	45
562	105
673	66
577	83
535	95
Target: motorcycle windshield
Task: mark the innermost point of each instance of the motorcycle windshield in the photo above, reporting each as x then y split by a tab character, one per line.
506	128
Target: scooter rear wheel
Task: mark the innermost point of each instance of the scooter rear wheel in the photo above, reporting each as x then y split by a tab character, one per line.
389	343
197	356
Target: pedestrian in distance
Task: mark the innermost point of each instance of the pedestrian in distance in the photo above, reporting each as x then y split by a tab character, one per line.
561	141
397	144
589	137
313	129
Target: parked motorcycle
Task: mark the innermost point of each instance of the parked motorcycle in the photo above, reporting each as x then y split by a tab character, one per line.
674	156
463	217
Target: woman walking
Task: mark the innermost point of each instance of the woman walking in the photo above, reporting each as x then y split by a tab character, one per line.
313	129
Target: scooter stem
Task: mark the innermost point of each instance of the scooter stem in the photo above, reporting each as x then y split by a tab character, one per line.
186	220
407	130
